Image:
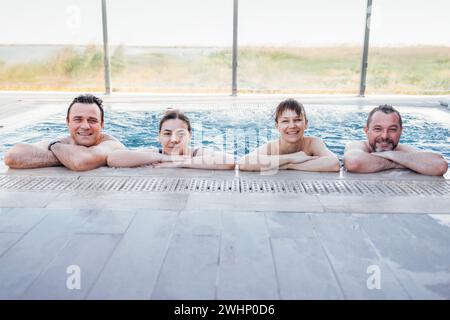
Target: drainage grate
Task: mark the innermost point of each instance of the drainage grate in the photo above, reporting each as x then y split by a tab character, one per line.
236	185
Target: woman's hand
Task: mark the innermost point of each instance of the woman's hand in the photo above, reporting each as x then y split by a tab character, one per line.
168	164
174	158
300	157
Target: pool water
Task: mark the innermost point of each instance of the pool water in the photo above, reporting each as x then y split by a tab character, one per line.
240	130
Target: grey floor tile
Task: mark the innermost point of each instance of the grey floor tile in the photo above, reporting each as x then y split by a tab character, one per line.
21	219
107	221
442	219
254	202
429	232
89	253
414	247
190	268
417	250
352	256
7	240
289	224
303	269
120	201
133	268
26	199
199	222
246	268
21	265
385	204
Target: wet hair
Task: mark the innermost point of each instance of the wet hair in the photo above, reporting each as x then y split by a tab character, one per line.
387	109
290	104
87	99
175	114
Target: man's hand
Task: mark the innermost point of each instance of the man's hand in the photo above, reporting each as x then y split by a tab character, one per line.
81	158
358	158
383	154
389	155
423	162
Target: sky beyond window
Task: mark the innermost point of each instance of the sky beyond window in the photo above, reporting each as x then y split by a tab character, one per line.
209	22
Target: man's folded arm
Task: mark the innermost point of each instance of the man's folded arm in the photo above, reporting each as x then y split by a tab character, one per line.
423	162
81	158
29	156
356	159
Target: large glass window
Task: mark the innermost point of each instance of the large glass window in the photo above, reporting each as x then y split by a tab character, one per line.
171	45
410	47
51	45
300	46
285	46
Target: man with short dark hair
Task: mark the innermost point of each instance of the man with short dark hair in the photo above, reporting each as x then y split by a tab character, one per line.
86	148
382	151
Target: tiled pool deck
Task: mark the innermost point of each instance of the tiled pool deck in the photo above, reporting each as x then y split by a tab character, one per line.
138	234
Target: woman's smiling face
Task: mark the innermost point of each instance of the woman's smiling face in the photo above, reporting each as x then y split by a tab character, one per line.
174	137
291	126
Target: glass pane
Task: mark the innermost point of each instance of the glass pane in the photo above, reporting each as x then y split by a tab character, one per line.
51	45
410	47
300	46
171	45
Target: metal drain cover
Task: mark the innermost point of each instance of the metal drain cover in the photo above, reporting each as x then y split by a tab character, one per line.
235	185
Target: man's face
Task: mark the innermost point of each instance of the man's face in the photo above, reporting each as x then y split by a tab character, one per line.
384	131
85	124
174	137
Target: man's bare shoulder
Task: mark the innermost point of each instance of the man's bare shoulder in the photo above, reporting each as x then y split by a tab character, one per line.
109	141
107	137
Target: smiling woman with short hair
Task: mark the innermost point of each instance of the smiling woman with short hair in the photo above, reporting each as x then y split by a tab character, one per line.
293	150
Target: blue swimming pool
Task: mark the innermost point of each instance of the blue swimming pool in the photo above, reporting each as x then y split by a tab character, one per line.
240	130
